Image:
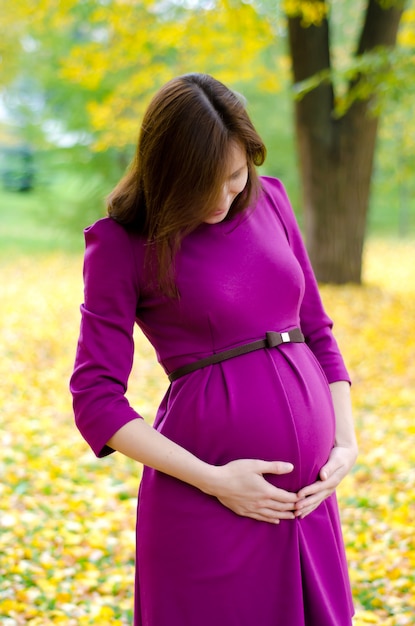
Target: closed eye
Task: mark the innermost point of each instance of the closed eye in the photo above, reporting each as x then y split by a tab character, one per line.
238	173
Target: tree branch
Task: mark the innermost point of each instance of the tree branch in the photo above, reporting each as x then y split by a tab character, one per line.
381	25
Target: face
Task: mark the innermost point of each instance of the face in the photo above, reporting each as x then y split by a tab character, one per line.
235	181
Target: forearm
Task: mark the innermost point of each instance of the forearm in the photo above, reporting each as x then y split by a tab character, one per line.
345	432
139	441
239	485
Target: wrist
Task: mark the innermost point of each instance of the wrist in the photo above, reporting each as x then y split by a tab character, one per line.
209	479
351	451
350	445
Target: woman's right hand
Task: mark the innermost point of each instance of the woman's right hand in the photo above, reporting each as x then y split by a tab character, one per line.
240	486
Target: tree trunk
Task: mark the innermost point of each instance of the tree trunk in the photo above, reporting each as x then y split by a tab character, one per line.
336	155
336	179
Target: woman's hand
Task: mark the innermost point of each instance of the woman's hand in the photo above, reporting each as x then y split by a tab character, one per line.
240	486
341	461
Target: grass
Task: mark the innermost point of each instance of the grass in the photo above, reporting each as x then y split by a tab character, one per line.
52	220
35	222
71	187
25	230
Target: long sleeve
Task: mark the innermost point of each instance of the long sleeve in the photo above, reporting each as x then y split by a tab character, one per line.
315	323
105	349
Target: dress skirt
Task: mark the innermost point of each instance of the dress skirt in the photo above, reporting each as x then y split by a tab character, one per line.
200	564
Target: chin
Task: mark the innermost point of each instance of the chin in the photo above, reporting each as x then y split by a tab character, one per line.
217	217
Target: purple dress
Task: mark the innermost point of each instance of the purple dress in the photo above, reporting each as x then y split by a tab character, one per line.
198	563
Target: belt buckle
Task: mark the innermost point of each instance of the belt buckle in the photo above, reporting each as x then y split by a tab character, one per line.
285	337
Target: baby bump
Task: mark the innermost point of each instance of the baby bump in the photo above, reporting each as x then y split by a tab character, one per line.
261	405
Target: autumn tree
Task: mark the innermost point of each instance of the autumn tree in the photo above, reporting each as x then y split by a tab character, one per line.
336	144
77	76
84	71
96	64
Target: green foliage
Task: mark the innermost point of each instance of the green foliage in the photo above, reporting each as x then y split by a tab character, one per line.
72	201
69	190
80	74
91	67
74	187
380	75
311	13
272	116
24	228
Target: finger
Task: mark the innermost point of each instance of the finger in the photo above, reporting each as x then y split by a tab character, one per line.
302	513
335	463
269	515
330	468
276	505
276	467
325	472
270	509
310	507
270	519
312	502
279	505
305	512
310	490
278	496
319	486
286	514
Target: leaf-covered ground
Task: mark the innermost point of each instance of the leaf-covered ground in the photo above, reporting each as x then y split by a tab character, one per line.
67	520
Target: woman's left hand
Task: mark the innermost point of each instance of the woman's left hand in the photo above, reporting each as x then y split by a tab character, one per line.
341	461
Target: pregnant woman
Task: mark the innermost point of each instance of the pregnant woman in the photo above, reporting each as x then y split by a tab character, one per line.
237	521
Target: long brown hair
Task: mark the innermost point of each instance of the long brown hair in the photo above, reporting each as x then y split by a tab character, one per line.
178	169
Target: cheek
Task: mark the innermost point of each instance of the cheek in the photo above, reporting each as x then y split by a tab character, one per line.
240	185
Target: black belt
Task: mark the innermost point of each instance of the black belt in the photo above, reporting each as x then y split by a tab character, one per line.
272	340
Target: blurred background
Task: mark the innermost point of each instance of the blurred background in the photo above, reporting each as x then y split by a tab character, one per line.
76	77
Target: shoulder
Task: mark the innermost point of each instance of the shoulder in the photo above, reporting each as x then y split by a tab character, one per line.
106	230
111	238
274	190
275	196
272	185
106	243
111	249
